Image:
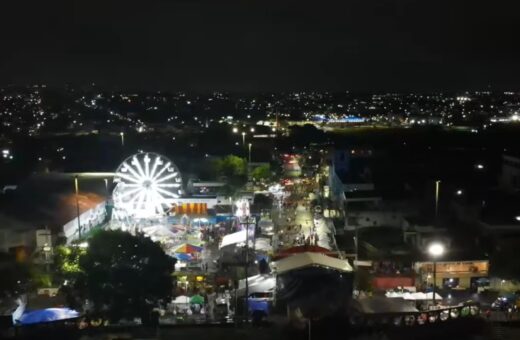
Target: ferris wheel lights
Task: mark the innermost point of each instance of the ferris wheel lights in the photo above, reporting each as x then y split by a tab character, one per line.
143	192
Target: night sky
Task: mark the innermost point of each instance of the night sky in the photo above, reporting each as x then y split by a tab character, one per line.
248	45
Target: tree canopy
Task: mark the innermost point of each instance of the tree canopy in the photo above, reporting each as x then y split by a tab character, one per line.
124	275
230	166
234	169
262	172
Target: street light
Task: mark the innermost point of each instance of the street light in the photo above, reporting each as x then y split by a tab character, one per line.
122	134
76	186
106	185
250	145
235	130
243	139
437	187
435	250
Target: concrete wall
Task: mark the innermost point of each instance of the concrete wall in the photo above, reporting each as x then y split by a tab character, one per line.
374	219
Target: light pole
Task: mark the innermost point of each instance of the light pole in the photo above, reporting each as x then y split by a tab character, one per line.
435	250
250	145
122	134
243	139
76	186
437	187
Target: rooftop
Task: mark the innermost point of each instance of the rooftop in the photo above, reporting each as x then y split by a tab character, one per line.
50	200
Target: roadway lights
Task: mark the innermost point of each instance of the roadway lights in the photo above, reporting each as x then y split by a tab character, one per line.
235	130
459	192
436	249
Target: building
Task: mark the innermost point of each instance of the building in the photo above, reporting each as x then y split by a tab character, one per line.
452	274
350	178
510	175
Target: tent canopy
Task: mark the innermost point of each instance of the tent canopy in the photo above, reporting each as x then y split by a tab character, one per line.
418	296
238	237
257	283
182	299
187	248
183	257
47	315
309	259
301	249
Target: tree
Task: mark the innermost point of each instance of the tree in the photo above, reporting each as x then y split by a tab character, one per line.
234	169
262	172
308	133
230	166
124	275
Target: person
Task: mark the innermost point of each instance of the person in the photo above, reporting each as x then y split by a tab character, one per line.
211	302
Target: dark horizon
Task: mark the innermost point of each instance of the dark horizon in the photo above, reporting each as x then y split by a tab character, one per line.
268	46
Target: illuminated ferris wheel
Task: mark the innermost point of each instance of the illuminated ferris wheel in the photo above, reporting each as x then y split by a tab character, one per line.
147	185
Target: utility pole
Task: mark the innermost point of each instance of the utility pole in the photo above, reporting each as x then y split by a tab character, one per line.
246	310
76	185
437	187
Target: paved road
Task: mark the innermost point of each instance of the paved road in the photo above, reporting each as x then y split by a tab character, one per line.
295	224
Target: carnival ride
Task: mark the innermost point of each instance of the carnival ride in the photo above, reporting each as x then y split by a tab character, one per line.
147	185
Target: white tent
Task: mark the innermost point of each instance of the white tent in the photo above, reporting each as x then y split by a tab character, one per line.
419	296
158	231
263	244
309	259
238	237
415	296
429	296
182	299
257	283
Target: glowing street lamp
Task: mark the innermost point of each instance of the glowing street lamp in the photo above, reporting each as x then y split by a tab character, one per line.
250	145
122	134
437	188
76	187
243	139
435	250
252	129
235	130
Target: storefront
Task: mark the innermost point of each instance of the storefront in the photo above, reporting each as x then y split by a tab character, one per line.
190	282
452	274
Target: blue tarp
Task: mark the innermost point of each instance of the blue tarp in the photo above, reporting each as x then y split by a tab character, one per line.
258	305
47	315
183	257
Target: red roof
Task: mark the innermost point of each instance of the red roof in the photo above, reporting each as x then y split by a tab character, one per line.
301	249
